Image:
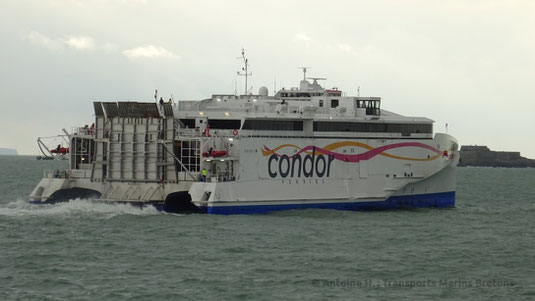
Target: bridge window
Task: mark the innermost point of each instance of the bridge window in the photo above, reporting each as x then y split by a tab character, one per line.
373	106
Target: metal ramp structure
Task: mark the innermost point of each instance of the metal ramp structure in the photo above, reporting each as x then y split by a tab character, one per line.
128	137
135	150
131	154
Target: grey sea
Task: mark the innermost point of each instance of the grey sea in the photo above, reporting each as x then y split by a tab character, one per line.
483	249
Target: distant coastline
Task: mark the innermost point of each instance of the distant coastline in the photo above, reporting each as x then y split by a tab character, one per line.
482	156
8	152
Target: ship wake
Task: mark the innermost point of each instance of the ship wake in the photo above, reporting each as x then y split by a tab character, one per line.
74	208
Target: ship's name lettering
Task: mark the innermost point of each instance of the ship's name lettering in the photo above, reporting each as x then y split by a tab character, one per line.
297	166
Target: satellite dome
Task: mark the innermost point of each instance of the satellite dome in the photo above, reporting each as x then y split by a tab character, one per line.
263	91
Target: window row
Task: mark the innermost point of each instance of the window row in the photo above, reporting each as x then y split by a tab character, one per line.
273	125
404	128
319	126
222	124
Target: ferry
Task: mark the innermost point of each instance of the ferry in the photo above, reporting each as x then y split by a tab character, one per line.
303	147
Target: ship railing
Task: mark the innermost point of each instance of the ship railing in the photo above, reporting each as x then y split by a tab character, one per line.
186	176
231	134
217	177
261	108
273	134
57	174
79	173
83	130
67	174
218	133
188	133
236	134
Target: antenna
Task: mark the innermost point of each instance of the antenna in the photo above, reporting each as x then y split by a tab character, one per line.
244	68
304	72
236	86
358	91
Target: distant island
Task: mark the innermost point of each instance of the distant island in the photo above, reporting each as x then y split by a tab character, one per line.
8	152
482	156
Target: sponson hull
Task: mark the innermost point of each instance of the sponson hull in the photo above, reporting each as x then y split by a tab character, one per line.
305	147
278	174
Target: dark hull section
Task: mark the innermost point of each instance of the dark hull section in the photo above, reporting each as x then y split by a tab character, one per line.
180	202
64	195
176	202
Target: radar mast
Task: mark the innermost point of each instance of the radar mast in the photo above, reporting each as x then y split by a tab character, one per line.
304	72
244	69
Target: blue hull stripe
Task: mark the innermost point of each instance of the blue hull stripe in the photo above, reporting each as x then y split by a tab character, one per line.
436	200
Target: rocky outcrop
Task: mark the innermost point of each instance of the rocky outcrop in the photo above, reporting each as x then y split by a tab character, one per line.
474	155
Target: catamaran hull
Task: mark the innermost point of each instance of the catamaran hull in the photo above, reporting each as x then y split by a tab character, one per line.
164	197
429	200
437	191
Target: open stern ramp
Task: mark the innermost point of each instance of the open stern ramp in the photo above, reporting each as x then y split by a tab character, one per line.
130	157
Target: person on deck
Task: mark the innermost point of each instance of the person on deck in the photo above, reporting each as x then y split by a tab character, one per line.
204	173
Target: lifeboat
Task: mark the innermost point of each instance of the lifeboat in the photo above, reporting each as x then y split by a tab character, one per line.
215	153
60	150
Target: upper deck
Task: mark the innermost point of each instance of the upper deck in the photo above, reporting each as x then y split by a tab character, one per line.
309	109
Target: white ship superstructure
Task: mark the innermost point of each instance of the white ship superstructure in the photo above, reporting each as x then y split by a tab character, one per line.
304	147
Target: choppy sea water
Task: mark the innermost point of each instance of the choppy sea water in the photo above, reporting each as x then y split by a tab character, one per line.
482	249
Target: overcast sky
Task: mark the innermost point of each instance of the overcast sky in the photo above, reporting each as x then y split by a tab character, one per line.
467	63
